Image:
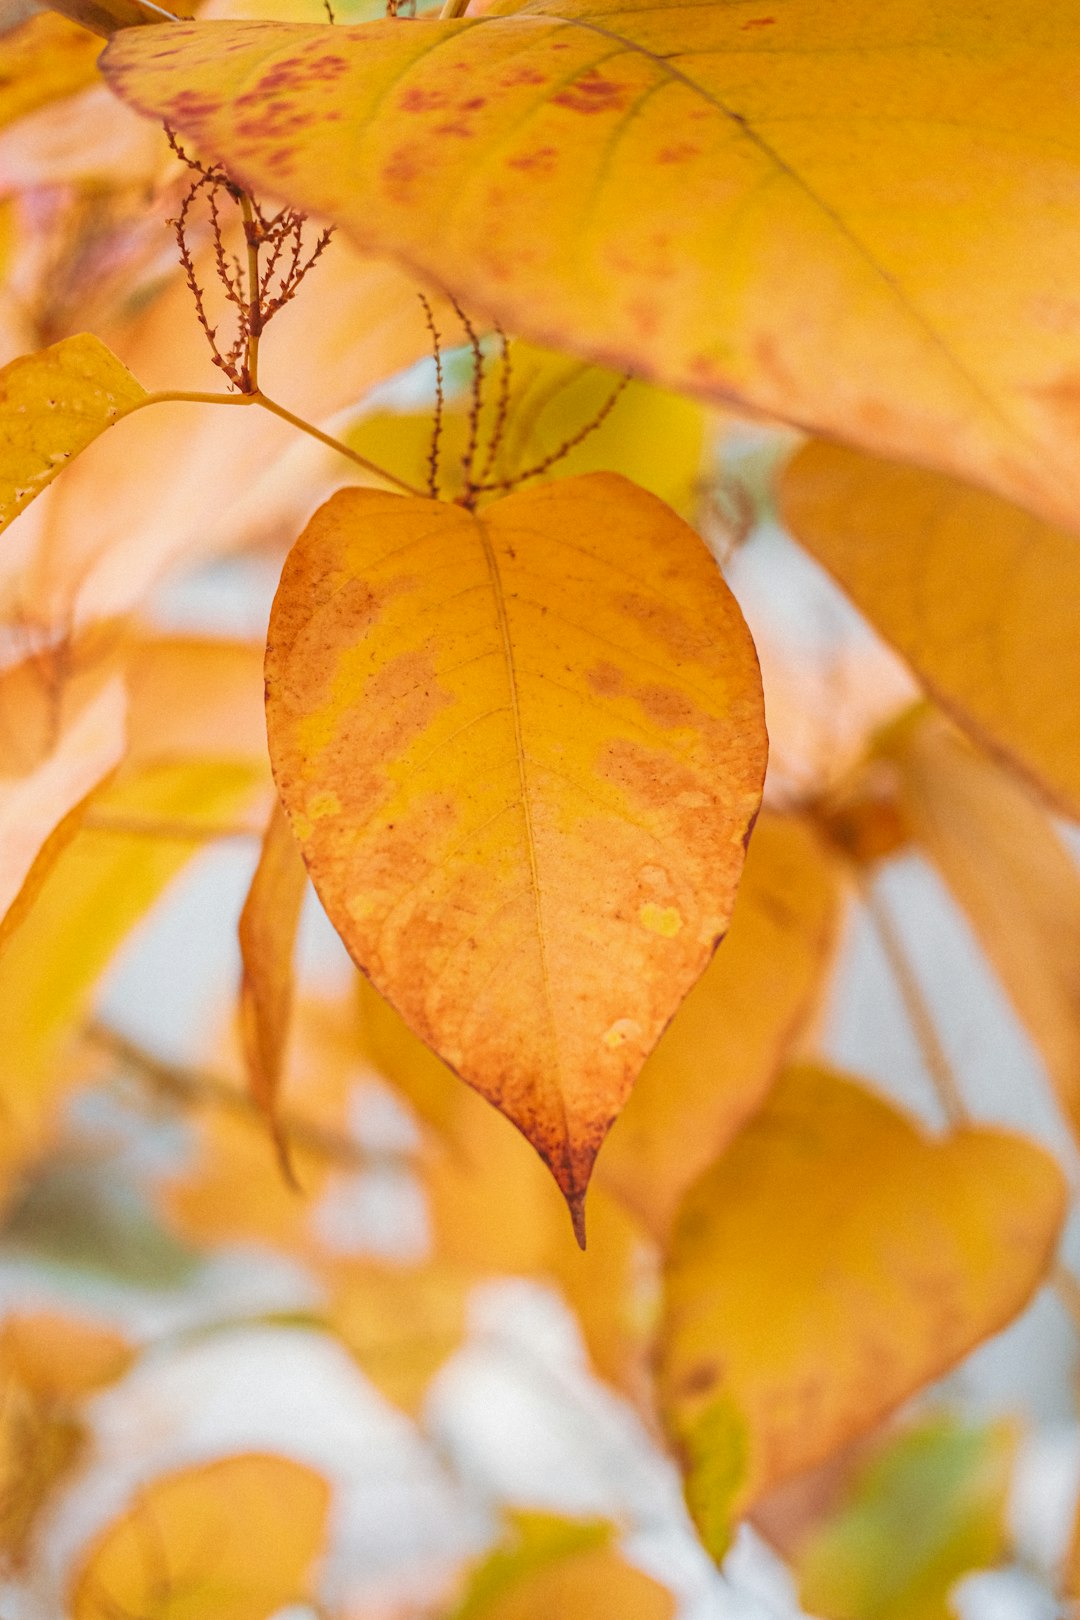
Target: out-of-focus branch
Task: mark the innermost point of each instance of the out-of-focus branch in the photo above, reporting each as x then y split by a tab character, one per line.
196	1088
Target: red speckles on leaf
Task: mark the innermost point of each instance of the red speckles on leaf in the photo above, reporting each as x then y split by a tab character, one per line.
521	75
593	94
541	161
758	22
418	99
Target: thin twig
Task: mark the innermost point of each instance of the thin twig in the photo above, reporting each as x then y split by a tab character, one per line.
502	408
197	1087
476	404
514	479
440	399
935	1058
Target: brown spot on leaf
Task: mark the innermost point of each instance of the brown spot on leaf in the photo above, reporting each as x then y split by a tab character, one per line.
593	94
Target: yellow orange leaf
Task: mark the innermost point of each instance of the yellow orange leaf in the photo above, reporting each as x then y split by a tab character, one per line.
791	206
521	750
926	1510
977	595
732	1035
42	59
1010	873
235	1539
832	1262
60	1357
267	931
52	405
550	1566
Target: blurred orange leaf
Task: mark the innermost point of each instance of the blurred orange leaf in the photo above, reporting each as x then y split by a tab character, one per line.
521	751
235	1539
728	1041
977	595
636	185
44	58
267	931
52	405
1011	874
833	1261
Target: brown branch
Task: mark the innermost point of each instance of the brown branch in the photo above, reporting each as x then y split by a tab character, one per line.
195	1088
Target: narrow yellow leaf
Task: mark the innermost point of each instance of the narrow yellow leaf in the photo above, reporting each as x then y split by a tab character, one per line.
522	750
1008	870
792	206
267	932
831	1263
94	892
52	405
977	595
235	1539
560	1567
928	1508
44	58
729	1040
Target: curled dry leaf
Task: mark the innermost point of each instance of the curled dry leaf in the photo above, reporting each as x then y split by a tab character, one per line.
831	1263
235	1539
704	194
522	750
267	932
978	596
52	405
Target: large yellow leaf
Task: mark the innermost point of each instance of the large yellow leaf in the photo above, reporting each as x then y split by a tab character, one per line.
1009	871
928	1508
862	217
234	1539
52	405
560	1567
979	597
45	57
521	750
832	1262
733	1033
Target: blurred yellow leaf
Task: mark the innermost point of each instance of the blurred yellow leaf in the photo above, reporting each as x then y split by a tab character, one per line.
792	207
832	1262
560	1567
99	886
926	1510
495	1211
90	743
1010	873
48	1364
977	595
52	405
400	1323
44	58
732	1035
521	751
234	1539
267	933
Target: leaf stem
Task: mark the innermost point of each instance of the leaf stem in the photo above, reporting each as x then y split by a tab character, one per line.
453	8
169	396
254	289
935	1058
